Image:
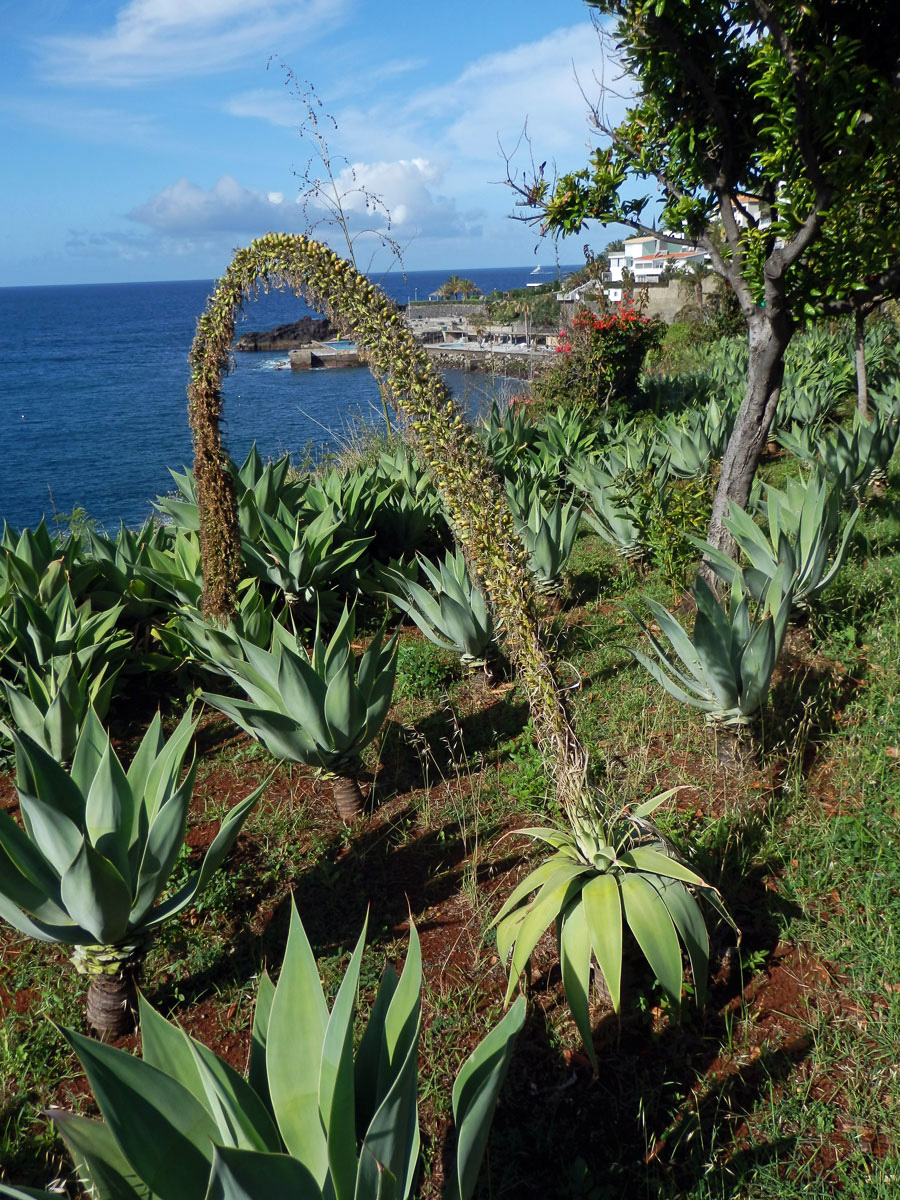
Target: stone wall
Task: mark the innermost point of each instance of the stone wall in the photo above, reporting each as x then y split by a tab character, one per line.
419	310
664	301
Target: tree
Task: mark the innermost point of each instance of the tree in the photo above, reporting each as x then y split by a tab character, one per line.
768	120
690	282
454	286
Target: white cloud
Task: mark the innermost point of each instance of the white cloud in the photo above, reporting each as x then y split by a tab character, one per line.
183	208
542	81
406	188
158	39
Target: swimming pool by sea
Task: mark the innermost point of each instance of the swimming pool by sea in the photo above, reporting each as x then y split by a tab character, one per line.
93	391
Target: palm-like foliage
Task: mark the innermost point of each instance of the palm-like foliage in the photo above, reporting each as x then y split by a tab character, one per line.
316	1119
98	850
603	876
320	708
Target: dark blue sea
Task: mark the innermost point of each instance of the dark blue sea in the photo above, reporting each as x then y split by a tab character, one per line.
93	385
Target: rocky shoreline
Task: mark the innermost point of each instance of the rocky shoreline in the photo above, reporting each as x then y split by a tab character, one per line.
288	337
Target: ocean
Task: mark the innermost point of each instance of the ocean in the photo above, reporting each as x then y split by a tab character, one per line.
93	385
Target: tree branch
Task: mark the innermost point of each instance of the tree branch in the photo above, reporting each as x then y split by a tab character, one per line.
805	139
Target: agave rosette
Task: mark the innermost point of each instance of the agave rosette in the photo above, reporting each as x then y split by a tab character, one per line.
320	708
456	618
725	666
320	1115
100	843
602	877
803	527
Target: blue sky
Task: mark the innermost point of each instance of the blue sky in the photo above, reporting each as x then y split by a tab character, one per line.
145	139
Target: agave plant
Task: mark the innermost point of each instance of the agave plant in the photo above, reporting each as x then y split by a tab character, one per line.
407	515
192	641
47	625
457	618
803	527
315	1119
26	558
508	434
849	456
259	488
98	850
725	667
321	708
174	566
632	450
602	876
611	512
121	564
548	533
564	436
303	558
52	704
853	457
699	438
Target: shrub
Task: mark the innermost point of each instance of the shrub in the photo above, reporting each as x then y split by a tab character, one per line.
599	359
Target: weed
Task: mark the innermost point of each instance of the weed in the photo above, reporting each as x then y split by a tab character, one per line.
424	671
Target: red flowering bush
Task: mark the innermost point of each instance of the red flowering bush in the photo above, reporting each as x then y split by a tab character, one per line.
599	358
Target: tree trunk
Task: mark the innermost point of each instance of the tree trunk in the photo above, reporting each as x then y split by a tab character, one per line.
112	1003
768	342
859	347
348	797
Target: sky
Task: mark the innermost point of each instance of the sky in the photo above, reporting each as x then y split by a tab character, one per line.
147	139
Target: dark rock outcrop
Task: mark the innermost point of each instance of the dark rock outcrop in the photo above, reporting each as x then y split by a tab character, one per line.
289	337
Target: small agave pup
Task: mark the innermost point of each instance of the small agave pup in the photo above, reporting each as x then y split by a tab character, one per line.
97	851
603	875
321	708
321	1116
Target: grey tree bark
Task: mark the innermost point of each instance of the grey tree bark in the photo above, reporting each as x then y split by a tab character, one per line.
859	348
768	341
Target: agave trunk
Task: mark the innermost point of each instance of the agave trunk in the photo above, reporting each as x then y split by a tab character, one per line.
114	971
348	798
737	748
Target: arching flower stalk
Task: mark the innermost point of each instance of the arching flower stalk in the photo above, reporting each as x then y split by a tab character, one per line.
471	492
